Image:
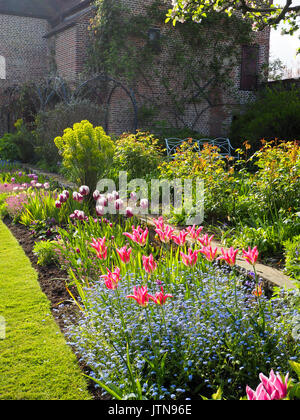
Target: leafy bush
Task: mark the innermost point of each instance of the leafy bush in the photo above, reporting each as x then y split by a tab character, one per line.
292	257
46	252
18	145
138	154
208	166
275	114
8	148
87	153
51	124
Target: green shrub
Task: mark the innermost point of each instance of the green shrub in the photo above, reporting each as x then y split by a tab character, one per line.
275	114
17	145
87	153
24	140
138	154
52	123
46	252
292	257
8	148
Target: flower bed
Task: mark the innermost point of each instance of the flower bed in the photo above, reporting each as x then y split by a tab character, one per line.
161	319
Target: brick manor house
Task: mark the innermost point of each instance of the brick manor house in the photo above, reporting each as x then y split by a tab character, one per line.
39	35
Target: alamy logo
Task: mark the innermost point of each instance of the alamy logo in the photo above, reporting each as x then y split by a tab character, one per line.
159	196
2	328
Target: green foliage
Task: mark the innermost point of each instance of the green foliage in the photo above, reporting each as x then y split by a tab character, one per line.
87	153
46	252
41	207
292	257
256	208
17	145
52	123
260	12
8	149
138	154
275	114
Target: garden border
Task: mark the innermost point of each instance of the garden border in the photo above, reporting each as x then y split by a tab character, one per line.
270	275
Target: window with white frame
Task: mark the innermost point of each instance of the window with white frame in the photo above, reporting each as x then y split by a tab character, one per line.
2	68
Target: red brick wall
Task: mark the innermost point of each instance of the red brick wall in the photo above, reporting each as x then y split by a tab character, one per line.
214	121
70	47
24	48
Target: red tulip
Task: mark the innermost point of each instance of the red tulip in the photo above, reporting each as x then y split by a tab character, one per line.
165	235
209	252
160	297
193	232
229	256
124	254
112	279
138	235
251	255
149	264
140	294
191	258
205	240
181	238
99	246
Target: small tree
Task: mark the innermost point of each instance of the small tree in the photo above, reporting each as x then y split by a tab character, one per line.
87	153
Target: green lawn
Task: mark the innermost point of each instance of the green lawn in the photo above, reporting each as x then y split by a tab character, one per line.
35	361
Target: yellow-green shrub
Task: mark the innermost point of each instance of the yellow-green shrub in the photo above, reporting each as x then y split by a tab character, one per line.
87	153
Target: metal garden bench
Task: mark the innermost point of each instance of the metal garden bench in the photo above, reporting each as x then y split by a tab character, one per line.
222	143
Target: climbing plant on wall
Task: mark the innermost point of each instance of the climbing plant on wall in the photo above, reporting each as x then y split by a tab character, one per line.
176	69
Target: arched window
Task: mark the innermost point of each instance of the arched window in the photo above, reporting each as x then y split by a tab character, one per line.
2	68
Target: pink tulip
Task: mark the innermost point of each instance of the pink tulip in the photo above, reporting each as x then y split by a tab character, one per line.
272	388
96	195
251	256
63	198
77	197
84	190
159	223
160	297
100	210
133	196
99	246
229	256
112	279
193	232
205	240
129	212
140	294
58	204
102	201
209	252
144	204
181	238
149	264
191	258
165	235
138	235
124	254
119	204
65	192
